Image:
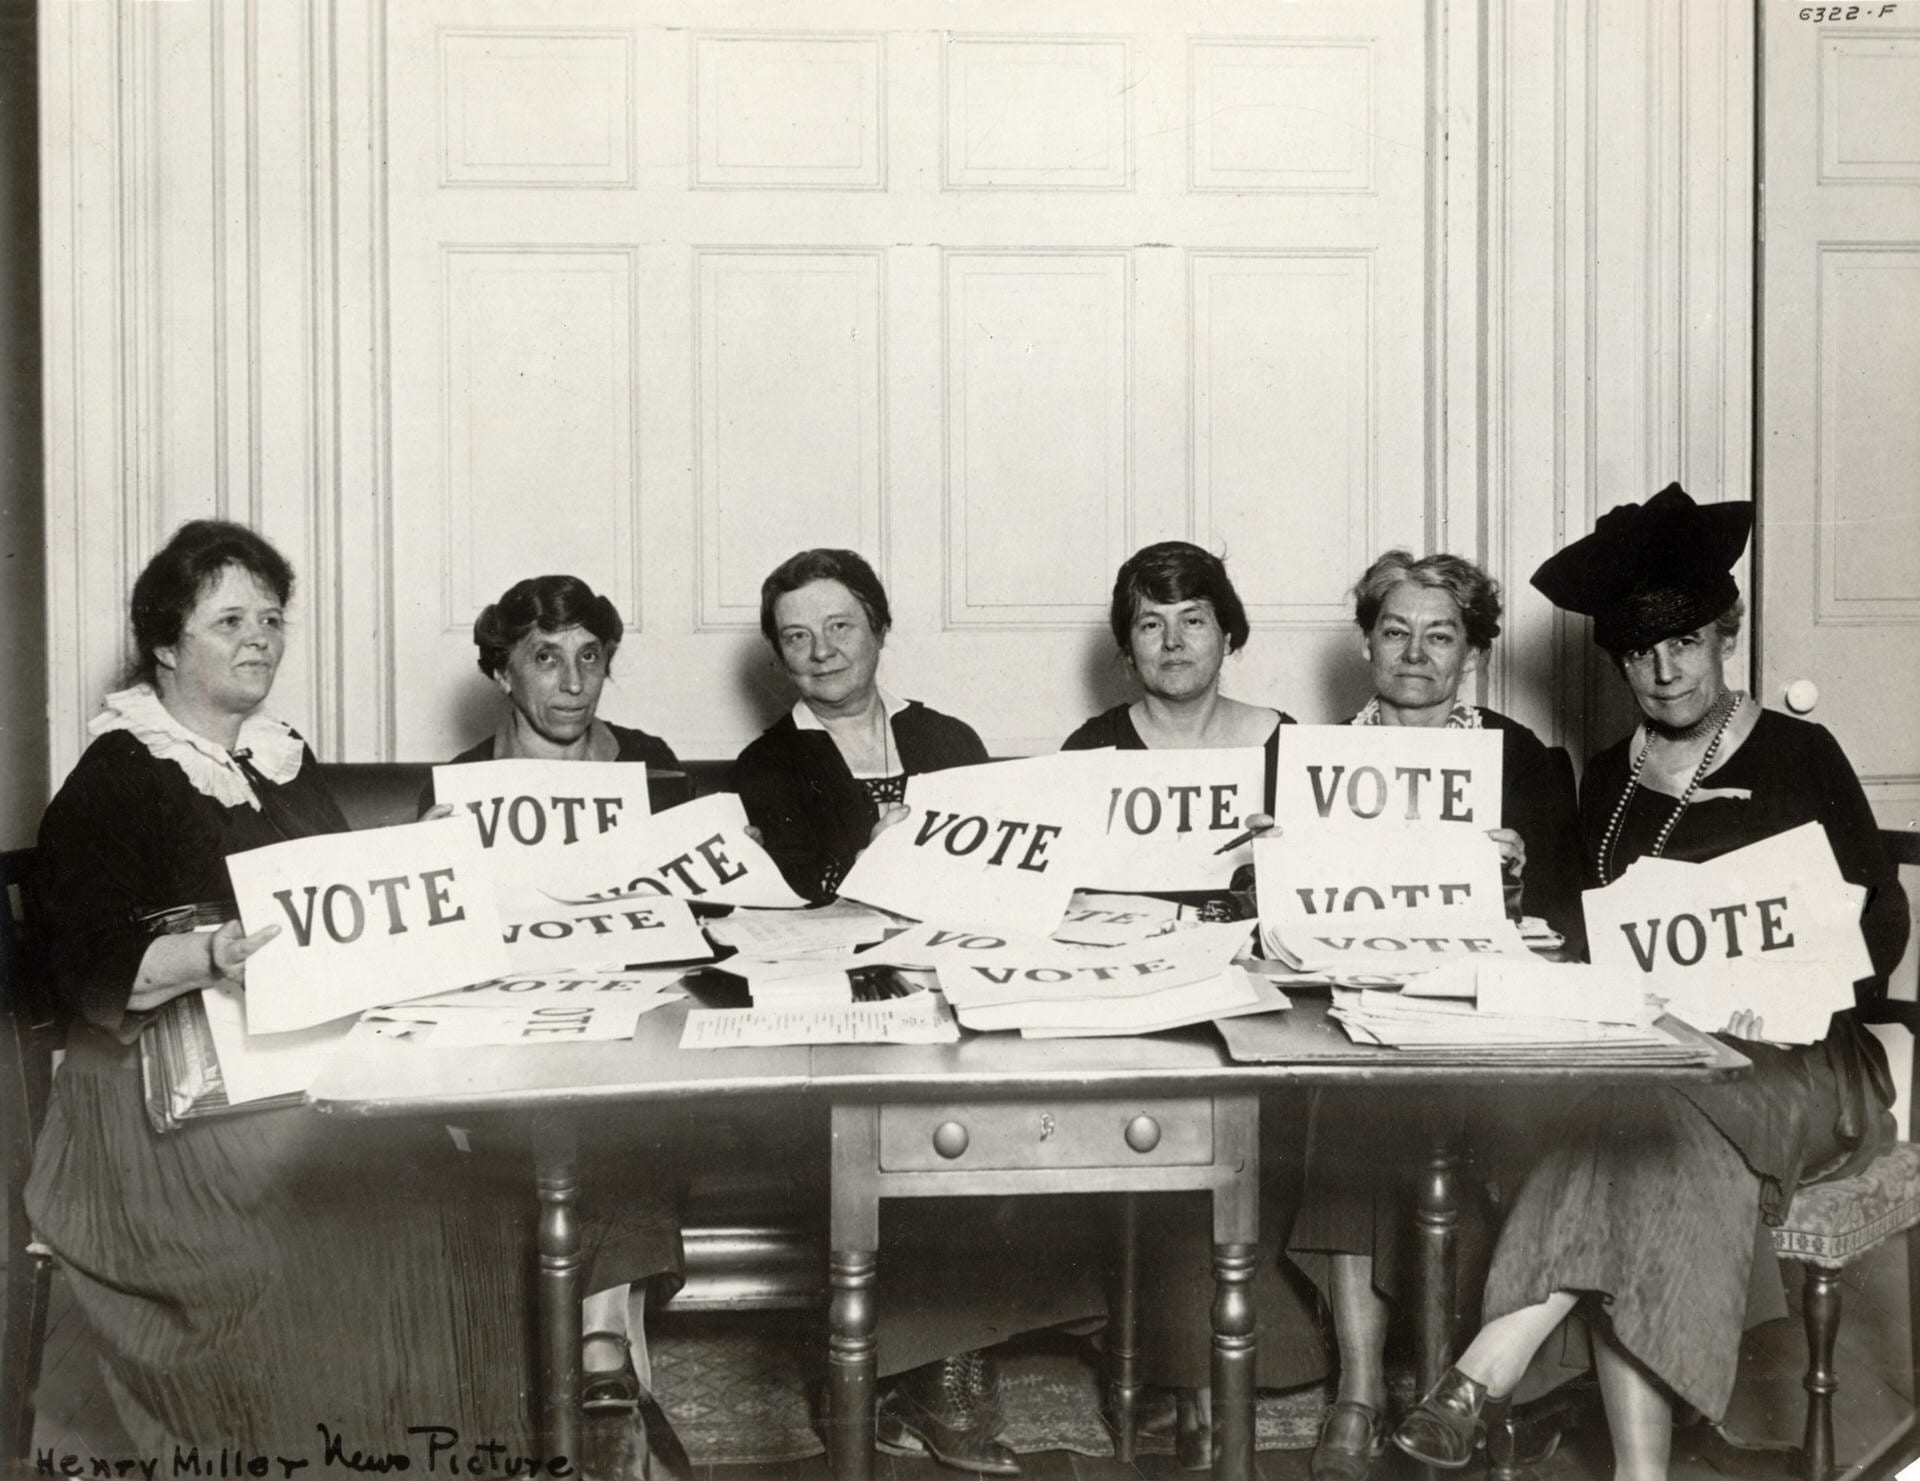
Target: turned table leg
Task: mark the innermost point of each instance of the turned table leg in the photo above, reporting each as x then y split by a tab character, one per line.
1436	1223
853	1309
1123	1329
1236	1234
556	1178
1821	1313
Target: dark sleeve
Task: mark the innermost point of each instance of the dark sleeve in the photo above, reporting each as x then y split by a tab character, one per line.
1854	834
1539	804
99	861
782	803
954	743
1091	736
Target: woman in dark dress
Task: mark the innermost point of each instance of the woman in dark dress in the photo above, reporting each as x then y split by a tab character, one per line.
818	786
548	644
253	1277
1647	1210
1176	619
1428	625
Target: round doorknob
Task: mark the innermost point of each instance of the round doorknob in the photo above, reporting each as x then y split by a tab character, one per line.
1143	1133
950	1139
1802	695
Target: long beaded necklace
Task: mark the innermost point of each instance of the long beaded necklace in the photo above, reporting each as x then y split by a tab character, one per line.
1726	705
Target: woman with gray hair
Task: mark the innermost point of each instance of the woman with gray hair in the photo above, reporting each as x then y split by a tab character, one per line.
1426	624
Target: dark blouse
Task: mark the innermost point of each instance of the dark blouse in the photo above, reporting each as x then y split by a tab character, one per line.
128	834
814	817
635	745
1115	728
1537	802
1794	772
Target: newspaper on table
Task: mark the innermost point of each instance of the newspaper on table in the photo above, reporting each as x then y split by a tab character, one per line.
529	813
630	931
699	850
1168	813
1771	929
1382	776
997	847
917	1018
365	918
1233	993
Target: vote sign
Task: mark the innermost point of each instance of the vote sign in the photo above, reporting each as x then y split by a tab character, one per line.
630	931
379	916
1168	813
528	812
697	851
1727	924
997	847
1422	867
1386	775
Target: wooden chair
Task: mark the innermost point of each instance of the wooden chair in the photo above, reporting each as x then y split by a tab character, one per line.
29	1035
1830	1225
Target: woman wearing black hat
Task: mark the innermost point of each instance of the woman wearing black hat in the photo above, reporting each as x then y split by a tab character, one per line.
1654	1204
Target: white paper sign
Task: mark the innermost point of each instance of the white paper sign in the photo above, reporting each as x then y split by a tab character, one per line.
1168	813
578	1022
557	987
987	978
918	1018
260	1066
697	851
528	813
1389	944
1703	928
632	930
1114	920
1386	775
997	847
1423	867
378	916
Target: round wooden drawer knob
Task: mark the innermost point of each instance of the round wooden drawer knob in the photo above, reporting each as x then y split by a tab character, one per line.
1143	1133
950	1139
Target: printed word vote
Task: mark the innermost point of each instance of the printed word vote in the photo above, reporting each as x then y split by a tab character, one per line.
341	909
1367	791
1683	939
964	834
528	818
1143	811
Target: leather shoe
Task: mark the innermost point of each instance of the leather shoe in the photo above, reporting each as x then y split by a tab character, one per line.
1444	1427
950	1409
611	1390
1352	1437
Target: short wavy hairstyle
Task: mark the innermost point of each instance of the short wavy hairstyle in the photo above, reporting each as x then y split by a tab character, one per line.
548	604
1474	592
182	572
1171	572
825	564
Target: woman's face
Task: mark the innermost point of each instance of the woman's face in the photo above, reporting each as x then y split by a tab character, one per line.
554	681
1418	651
827	645
1677	680
1176	648
229	647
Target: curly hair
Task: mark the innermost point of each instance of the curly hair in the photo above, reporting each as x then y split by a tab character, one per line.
182	571
1474	592
1176	571
549	604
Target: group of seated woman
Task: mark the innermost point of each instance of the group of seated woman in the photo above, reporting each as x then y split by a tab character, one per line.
240	1293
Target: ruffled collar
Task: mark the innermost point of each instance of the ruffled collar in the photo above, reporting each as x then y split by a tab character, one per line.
1463	716
271	747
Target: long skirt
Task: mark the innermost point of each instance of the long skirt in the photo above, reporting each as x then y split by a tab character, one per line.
291	1284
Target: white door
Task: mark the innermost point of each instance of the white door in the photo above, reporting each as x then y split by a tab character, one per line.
993	293
1839	613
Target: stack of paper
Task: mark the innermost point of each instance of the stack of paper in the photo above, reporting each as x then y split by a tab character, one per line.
1452	1029
559	1008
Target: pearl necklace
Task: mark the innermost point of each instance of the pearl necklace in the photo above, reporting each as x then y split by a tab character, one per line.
1727	705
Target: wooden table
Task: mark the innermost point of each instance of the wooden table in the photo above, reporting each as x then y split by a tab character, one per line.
993	1115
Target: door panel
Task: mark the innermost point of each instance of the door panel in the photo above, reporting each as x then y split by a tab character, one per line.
993	305
1840	384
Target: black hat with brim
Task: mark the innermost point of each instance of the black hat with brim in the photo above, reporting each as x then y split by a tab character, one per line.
1651	571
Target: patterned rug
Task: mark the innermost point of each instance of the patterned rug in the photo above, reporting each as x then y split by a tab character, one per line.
738	1390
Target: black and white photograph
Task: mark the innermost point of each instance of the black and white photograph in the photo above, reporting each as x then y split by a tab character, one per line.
865	740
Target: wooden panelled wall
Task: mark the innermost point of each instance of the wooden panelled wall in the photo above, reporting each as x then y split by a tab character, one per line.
441	294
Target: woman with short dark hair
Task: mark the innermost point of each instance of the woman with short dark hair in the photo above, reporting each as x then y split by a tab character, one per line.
246	1276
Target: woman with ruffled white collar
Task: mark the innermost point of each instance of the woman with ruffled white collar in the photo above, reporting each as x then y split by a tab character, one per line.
240	1289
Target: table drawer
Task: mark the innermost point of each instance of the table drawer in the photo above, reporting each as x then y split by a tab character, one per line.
926	1136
